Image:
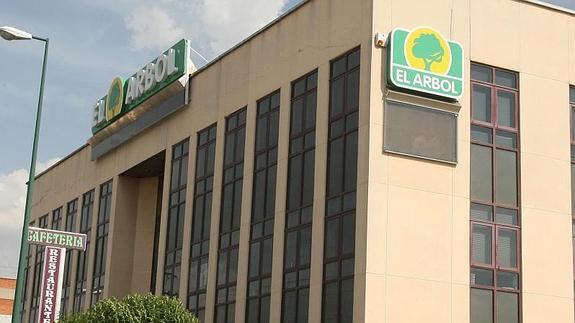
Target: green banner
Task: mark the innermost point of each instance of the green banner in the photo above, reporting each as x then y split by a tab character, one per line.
125	95
423	60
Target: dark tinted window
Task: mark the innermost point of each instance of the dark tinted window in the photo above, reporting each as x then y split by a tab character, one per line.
176	210
263	208
230	217
201	219
339	239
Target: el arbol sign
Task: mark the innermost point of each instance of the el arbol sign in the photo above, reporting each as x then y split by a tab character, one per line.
423	60
125	95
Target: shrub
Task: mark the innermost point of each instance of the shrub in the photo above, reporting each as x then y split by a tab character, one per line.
135	309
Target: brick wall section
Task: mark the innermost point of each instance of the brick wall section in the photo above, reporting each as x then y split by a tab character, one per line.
7	287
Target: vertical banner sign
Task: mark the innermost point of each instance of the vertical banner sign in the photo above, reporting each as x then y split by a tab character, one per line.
423	60
49	309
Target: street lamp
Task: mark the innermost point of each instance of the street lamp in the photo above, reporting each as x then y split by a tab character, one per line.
11	33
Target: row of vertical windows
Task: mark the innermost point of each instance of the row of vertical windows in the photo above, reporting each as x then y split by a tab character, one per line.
230	215
340	209
263	209
81	268
176	211
71	212
201	220
36	284
495	213
102	231
339	240
301	170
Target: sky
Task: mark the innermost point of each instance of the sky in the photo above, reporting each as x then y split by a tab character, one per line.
91	42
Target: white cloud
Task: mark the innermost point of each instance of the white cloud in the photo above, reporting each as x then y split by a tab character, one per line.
152	28
229	21
12	203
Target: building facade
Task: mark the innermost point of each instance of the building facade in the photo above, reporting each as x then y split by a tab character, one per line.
293	179
7	287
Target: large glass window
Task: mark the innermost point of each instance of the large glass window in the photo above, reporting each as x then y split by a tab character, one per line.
56	219
263	210
301	170
38	264
339	239
71	212
81	272
102	230
201	219
495	210
572	116
176	211
230	214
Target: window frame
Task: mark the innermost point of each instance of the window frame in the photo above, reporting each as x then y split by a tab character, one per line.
340	195
195	296
231	244
493	146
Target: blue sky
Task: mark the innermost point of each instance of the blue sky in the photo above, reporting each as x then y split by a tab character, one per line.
92	41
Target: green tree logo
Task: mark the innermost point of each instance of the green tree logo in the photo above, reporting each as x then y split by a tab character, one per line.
428	48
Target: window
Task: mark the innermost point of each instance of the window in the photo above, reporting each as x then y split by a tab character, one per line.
56	219
36	285
230	214
102	231
176	211
81	272
420	131
339	237
495	210
572	116
71	212
201	219
263	210
26	280
301	170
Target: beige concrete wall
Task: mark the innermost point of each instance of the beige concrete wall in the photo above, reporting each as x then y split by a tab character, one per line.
418	223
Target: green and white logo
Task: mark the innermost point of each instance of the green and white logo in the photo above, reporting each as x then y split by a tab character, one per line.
423	60
125	95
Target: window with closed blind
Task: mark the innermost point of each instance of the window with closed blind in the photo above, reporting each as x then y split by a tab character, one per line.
420	131
495	211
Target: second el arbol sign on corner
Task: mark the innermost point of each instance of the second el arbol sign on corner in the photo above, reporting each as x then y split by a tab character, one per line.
422	60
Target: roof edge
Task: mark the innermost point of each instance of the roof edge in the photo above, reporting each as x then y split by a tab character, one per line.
70	155
250	37
551	6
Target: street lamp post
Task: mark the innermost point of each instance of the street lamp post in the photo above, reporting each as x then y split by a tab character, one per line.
10	33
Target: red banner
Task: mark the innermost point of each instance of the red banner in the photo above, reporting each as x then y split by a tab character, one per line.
49	309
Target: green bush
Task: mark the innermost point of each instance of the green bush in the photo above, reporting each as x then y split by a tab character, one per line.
135	309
